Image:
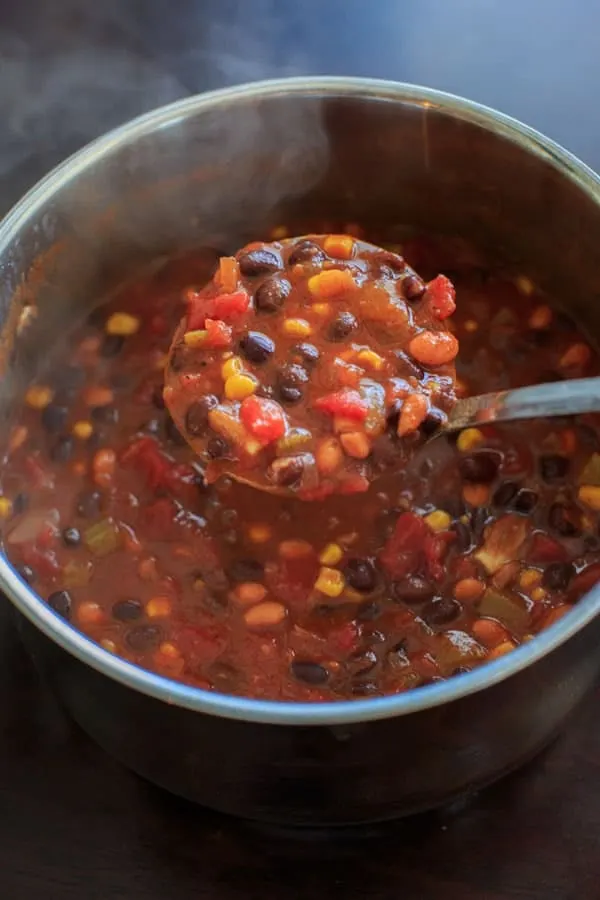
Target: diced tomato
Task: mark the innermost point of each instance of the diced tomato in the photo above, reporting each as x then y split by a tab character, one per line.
545	549
440	295
158	518
226	307
147	457
44	562
584	582
325	489
199	643
344	638
158	324
292	581
263	418
435	549
40	477
404	549
218	335
354	484
347	403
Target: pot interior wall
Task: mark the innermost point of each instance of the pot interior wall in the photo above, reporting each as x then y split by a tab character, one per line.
223	175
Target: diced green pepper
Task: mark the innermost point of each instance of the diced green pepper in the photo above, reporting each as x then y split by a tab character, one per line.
507	608
102	538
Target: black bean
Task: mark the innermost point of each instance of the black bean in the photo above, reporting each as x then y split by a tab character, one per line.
308	353
388	260
480	467
341	327
464	537
217	448
557	576
365	689
54	418
562	519
246	570
272	294
434	420
368	611
265	390
259	262
290	395
440	611
479	518
411	590
309	672
20	503
393	414
361	574
173	433
461	670
105	415
287	471
71	537
89	504
61	603
62	450
127	610
112	345
413	287
525	501
144	637
158	398
256	347
407	368
306	251
505	493
196	417
290	377
361	662
553	467
26	573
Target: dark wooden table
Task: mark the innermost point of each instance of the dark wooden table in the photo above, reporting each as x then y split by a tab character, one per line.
73	824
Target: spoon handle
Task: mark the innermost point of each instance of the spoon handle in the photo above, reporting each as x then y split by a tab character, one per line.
559	398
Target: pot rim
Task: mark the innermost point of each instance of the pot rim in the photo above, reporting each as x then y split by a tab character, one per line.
269	711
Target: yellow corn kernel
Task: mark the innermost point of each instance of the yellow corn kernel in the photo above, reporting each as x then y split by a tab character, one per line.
471	325
538	594
328	456
5	507
237	387
331	555
297	328
529	578
330	283
169	650
295	549
83	430
39	396
339	245
321	309
122	324
438	520
158	607
330	582
356	444
371	360
109	645
468	439
252	447
259	533
232	366
195	338
589	494
540	317
525	285
279	232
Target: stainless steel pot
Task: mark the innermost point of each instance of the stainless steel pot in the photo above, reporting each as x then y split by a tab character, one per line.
215	170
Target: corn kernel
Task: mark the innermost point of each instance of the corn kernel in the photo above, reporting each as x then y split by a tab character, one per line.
371	360
259	533
339	245
471	325
331	555
330	582
538	594
169	650
195	338
158	607
321	309
38	396
295	549
540	317
122	324
501	650
356	444
328	456
90	614
83	430
468	439
330	283
438	520
231	366
252	447
297	328
589	494
530	578
109	645
237	387
525	285
279	232
5	507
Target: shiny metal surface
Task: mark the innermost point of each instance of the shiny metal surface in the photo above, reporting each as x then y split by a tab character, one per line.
561	398
211	171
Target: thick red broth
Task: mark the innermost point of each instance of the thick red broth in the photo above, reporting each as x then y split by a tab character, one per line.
486	539
307	366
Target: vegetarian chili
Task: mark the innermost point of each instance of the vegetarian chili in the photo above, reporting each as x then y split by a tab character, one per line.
491	536
308	365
